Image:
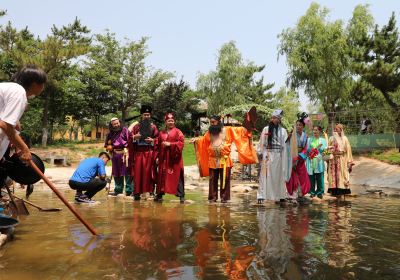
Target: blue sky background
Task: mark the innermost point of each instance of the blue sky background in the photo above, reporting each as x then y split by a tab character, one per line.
185	35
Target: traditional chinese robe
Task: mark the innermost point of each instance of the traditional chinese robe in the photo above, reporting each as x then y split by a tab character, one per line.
170	163
142	161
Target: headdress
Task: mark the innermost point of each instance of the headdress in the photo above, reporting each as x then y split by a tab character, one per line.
169	116
145	109
278	113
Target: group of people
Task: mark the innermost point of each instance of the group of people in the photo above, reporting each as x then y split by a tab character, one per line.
147	160
294	164
144	160
150	161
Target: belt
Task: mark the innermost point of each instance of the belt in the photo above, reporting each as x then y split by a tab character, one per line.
223	162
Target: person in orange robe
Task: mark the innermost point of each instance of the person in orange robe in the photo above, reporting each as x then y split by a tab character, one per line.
170	163
213	155
143	153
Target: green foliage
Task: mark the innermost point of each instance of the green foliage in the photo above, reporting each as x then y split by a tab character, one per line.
376	60
316	51
391	156
233	82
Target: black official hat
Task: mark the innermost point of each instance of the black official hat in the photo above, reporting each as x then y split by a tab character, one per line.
145	109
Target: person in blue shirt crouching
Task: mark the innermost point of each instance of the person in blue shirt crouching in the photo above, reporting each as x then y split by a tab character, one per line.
90	176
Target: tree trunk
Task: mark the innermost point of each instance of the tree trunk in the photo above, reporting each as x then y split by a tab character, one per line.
124	115
45	120
97	126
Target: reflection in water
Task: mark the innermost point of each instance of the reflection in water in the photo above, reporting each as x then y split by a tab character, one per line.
343	240
214	253
276	250
157	241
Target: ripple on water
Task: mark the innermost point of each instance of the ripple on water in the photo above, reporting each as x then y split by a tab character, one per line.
355	239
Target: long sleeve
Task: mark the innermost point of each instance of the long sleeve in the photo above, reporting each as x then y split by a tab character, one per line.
261	143
155	144
107	138
177	146
323	146
201	149
244	144
131	152
349	154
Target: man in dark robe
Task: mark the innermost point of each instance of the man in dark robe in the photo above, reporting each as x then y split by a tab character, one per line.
170	163
116	144
143	153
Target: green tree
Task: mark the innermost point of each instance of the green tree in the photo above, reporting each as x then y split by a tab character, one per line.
134	74
233	82
317	55
58	52
376	61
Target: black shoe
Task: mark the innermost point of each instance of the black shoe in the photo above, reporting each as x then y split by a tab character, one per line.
158	198
128	194
83	199
320	196
260	201
113	194
137	197
312	195
182	199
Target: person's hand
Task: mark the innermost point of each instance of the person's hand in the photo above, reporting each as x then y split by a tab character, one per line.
156	160
149	140
137	136
166	144
350	169
192	140
25	155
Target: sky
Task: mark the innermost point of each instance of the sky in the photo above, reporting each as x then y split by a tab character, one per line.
185	35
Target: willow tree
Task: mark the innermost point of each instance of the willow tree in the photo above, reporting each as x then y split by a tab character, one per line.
317	56
233	81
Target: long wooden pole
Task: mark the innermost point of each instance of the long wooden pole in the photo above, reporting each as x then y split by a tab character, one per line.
60	196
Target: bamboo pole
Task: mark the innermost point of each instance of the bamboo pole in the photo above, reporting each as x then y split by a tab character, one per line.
61	197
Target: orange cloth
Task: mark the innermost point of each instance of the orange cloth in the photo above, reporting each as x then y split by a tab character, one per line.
210	157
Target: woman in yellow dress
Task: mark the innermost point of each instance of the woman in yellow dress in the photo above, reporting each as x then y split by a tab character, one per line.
340	166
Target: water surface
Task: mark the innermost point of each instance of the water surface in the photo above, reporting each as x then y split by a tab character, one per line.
354	239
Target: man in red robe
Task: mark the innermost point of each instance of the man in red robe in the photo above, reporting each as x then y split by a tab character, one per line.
142	153
170	163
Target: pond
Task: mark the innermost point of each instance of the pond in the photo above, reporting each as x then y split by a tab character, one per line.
353	239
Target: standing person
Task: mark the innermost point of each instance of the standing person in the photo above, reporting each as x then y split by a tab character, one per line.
341	165
116	144
213	155
143	153
365	125
170	162
299	183
26	84
276	161
90	176
315	163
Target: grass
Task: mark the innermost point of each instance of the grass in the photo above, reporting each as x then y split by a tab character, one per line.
189	156
92	149
391	156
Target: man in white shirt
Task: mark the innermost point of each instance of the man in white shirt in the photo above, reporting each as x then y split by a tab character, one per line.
26	83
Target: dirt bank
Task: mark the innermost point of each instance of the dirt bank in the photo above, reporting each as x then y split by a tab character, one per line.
366	173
